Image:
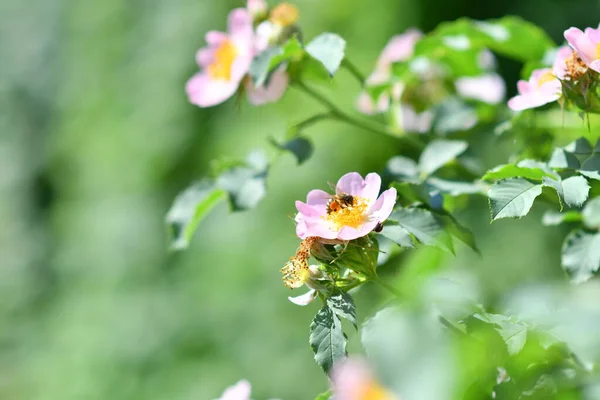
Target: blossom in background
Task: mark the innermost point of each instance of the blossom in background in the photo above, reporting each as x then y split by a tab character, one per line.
239	391
410	120
257	8
586	44
399	48
488	88
224	62
352	379
355	215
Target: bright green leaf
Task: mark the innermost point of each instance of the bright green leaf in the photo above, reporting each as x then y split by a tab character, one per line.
591	214
514	171
551	218
328	48
438	153
327	340
398	235
342	304
324	396
512	198
188	209
424	226
581	255
300	147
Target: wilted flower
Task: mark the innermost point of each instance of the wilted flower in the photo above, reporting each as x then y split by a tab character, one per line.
224	62
542	88
488	88
586	44
239	391
352	212
353	380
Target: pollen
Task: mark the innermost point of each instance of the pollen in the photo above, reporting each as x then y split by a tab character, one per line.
576	68
353	216
285	14
296	271
374	391
224	57
545	78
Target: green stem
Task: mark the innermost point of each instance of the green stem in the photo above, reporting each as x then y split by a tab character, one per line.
310	121
337	114
354	71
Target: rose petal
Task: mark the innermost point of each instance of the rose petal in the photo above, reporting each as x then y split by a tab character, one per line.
304	299
371	188
239	391
240	23
317	227
559	67
349	378
317	197
487	88
351	183
308	210
206	92
274	90
214	38
349	233
582	44
381	210
364	104
204	57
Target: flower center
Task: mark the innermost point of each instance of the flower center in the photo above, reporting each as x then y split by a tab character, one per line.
353	215
374	391
575	66
296	271
285	14
224	56
545	78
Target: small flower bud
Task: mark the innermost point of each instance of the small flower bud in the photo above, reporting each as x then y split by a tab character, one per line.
285	14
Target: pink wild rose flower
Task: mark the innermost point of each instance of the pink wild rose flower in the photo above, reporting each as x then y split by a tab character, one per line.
352	213
543	87
239	391
352	379
586	44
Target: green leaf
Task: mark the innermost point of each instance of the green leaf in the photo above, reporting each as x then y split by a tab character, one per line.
454	115
438	153
514	334
454	188
246	184
512	198
580	147
290	51
328	48
403	168
581	255
361	256
342	304
575	190
551	218
562	159
261	65
424	226
591	167
327	340
300	147
398	235
591	214
324	396
513	171
188	209
460	231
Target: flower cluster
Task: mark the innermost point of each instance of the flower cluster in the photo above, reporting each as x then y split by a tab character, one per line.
225	62
579	62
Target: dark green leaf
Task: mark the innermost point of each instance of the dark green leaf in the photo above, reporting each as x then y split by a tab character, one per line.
424	226
512	198
300	147
556	218
591	167
188	209
328	48
581	255
246	184
398	235
514	171
342	304
562	159
460	231
327	340
360	256
403	168
580	147
591	214
438	153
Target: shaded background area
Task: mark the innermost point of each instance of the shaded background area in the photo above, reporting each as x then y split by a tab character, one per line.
97	138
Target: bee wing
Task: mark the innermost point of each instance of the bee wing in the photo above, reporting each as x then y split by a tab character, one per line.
334	187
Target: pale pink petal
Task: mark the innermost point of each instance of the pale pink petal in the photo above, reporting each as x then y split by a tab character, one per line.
559	68
239	391
364	104
582	44
523	87
204	57
274	90
595	65
399	47
349	378
206	92
317	197
240	23
593	34
351	183
241	66
318	228
411	121
537	99
308	211
304	299
349	233
372	186
215	38
256	7
383	207
487	88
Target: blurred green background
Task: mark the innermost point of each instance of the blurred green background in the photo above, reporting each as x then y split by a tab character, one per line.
97	138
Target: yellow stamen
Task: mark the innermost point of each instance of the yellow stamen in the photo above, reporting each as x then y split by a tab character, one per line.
597	50
545	78
374	391
576	68
296	271
224	56
353	216
285	14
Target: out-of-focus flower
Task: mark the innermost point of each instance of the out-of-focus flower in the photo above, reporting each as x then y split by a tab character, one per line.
224	62
409	120
239	391
488	88
352	212
399	48
559	68
284	14
273	90
542	88
353	380
257	8
586	44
